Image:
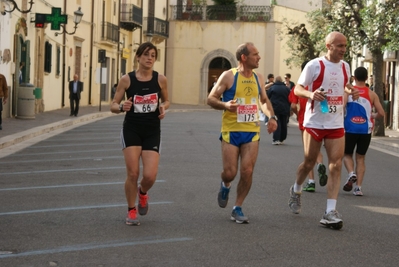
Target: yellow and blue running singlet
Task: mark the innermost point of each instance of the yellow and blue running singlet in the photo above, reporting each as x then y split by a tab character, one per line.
245	119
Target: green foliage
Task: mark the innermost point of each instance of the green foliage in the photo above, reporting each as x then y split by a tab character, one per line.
225	11
375	25
364	23
225	2
391	22
372	25
301	46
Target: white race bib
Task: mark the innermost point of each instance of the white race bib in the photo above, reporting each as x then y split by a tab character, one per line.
247	113
146	103
335	103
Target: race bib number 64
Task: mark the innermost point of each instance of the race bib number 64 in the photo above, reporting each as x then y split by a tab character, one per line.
146	103
247	113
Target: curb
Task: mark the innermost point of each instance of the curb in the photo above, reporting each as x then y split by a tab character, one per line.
31	133
384	144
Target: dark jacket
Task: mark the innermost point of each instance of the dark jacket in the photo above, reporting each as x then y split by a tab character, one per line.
3	87
79	89
278	95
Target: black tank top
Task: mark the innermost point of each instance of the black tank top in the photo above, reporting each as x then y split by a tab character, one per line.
145	98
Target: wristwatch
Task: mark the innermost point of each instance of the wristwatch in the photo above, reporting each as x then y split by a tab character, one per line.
121	107
274	117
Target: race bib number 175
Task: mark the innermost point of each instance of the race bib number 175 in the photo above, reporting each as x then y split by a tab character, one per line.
247	113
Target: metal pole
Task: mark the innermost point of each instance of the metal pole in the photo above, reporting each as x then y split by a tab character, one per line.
101	84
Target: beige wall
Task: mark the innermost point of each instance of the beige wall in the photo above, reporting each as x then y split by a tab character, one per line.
192	45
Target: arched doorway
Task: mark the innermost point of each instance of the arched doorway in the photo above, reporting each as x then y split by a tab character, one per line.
213	64
216	67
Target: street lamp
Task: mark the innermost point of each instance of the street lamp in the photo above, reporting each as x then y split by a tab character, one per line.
76	19
15	6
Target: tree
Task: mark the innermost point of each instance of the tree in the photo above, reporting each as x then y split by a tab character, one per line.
364	23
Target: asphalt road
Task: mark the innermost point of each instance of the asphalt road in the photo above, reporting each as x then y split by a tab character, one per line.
63	204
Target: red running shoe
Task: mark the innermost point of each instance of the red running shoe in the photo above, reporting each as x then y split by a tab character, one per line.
131	218
143	202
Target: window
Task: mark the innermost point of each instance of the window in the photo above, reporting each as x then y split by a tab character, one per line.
58	71
47	57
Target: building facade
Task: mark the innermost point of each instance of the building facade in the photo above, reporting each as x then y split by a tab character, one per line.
196	41
204	38
41	41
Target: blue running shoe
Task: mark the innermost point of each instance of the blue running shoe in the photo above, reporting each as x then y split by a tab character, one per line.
223	196
238	216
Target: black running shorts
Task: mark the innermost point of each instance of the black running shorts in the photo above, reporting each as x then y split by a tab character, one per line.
148	139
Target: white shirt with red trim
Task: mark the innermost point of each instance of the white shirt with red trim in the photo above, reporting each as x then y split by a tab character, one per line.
332	77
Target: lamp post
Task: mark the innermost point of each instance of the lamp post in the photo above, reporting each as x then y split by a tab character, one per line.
15	6
76	19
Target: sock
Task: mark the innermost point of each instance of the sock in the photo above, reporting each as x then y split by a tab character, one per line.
225	185
297	188
129	209
331	205
141	192
311	181
351	174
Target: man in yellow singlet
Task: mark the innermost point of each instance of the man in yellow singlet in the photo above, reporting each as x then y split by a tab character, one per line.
241	90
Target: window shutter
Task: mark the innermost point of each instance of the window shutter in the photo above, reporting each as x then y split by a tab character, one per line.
47	57
27	63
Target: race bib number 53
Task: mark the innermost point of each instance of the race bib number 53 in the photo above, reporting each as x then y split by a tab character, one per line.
247	113
145	103
335	103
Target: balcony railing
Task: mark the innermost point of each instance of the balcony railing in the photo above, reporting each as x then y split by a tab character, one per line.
131	17
216	12
153	26
109	32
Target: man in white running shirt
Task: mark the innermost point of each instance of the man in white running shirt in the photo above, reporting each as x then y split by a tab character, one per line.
332	74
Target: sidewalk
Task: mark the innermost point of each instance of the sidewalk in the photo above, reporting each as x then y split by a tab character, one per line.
18	130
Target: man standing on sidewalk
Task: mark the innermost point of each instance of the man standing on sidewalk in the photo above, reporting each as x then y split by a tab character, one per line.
241	90
75	87
3	96
331	73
